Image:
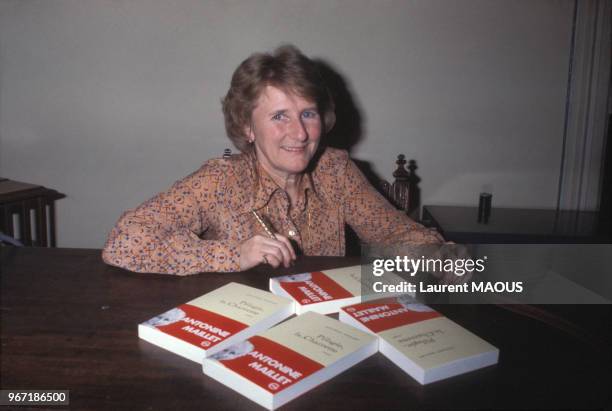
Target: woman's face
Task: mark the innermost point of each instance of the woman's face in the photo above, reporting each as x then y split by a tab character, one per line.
286	130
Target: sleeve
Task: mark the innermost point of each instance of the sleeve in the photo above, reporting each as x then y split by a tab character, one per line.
375	220
162	234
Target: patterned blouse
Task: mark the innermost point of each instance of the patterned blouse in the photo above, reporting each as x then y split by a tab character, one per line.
200	222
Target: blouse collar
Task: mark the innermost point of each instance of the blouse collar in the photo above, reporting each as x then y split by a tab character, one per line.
264	187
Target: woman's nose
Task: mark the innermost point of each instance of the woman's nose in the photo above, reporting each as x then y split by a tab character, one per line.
299	131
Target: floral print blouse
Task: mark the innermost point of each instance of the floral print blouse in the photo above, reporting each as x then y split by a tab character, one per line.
199	223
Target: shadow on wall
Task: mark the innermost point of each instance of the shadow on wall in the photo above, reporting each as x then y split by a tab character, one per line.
348	130
347	133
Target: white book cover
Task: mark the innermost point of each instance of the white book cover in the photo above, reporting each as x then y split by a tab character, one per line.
215	320
280	364
421	341
326	291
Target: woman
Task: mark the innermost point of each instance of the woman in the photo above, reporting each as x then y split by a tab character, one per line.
277	111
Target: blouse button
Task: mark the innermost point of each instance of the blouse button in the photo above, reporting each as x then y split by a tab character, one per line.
291	233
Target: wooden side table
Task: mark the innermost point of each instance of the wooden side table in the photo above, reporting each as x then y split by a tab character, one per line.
27	212
510	225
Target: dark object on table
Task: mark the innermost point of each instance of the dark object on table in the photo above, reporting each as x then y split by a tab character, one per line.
34	207
484	207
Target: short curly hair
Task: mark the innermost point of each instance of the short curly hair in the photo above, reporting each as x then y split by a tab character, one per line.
286	68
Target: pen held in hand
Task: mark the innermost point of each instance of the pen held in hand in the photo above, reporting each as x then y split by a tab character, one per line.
268	229
265	226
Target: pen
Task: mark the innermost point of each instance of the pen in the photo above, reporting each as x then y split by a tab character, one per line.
265	226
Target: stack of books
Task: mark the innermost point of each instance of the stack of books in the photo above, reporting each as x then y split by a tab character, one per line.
232	333
215	321
326	291
280	364
419	340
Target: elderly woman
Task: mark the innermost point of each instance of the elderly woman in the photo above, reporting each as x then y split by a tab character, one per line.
277	112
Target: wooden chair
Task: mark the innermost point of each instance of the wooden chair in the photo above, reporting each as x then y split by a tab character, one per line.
27	212
403	192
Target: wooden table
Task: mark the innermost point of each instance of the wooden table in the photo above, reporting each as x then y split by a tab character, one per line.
69	322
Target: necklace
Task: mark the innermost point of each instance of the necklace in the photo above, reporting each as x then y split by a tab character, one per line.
268	215
305	239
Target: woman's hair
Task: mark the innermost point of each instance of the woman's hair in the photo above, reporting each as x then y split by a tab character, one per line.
287	69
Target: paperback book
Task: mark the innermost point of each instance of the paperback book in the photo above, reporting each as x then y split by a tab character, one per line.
280	364
326	291
216	320
421	341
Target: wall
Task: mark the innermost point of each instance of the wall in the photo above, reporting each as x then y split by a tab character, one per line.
110	101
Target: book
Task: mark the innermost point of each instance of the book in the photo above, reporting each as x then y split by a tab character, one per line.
326	291
216	320
421	341
280	364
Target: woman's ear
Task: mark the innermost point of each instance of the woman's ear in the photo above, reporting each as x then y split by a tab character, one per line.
248	133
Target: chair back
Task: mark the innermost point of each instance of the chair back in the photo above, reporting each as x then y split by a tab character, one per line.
403	192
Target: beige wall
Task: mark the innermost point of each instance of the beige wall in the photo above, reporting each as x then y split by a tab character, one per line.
111	101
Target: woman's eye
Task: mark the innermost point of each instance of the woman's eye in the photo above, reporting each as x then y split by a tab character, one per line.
277	116
309	114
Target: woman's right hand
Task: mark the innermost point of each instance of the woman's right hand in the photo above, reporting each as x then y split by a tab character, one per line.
259	249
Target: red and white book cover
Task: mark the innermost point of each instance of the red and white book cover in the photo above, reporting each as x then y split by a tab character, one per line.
421	341
280	364
216	320
326	291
